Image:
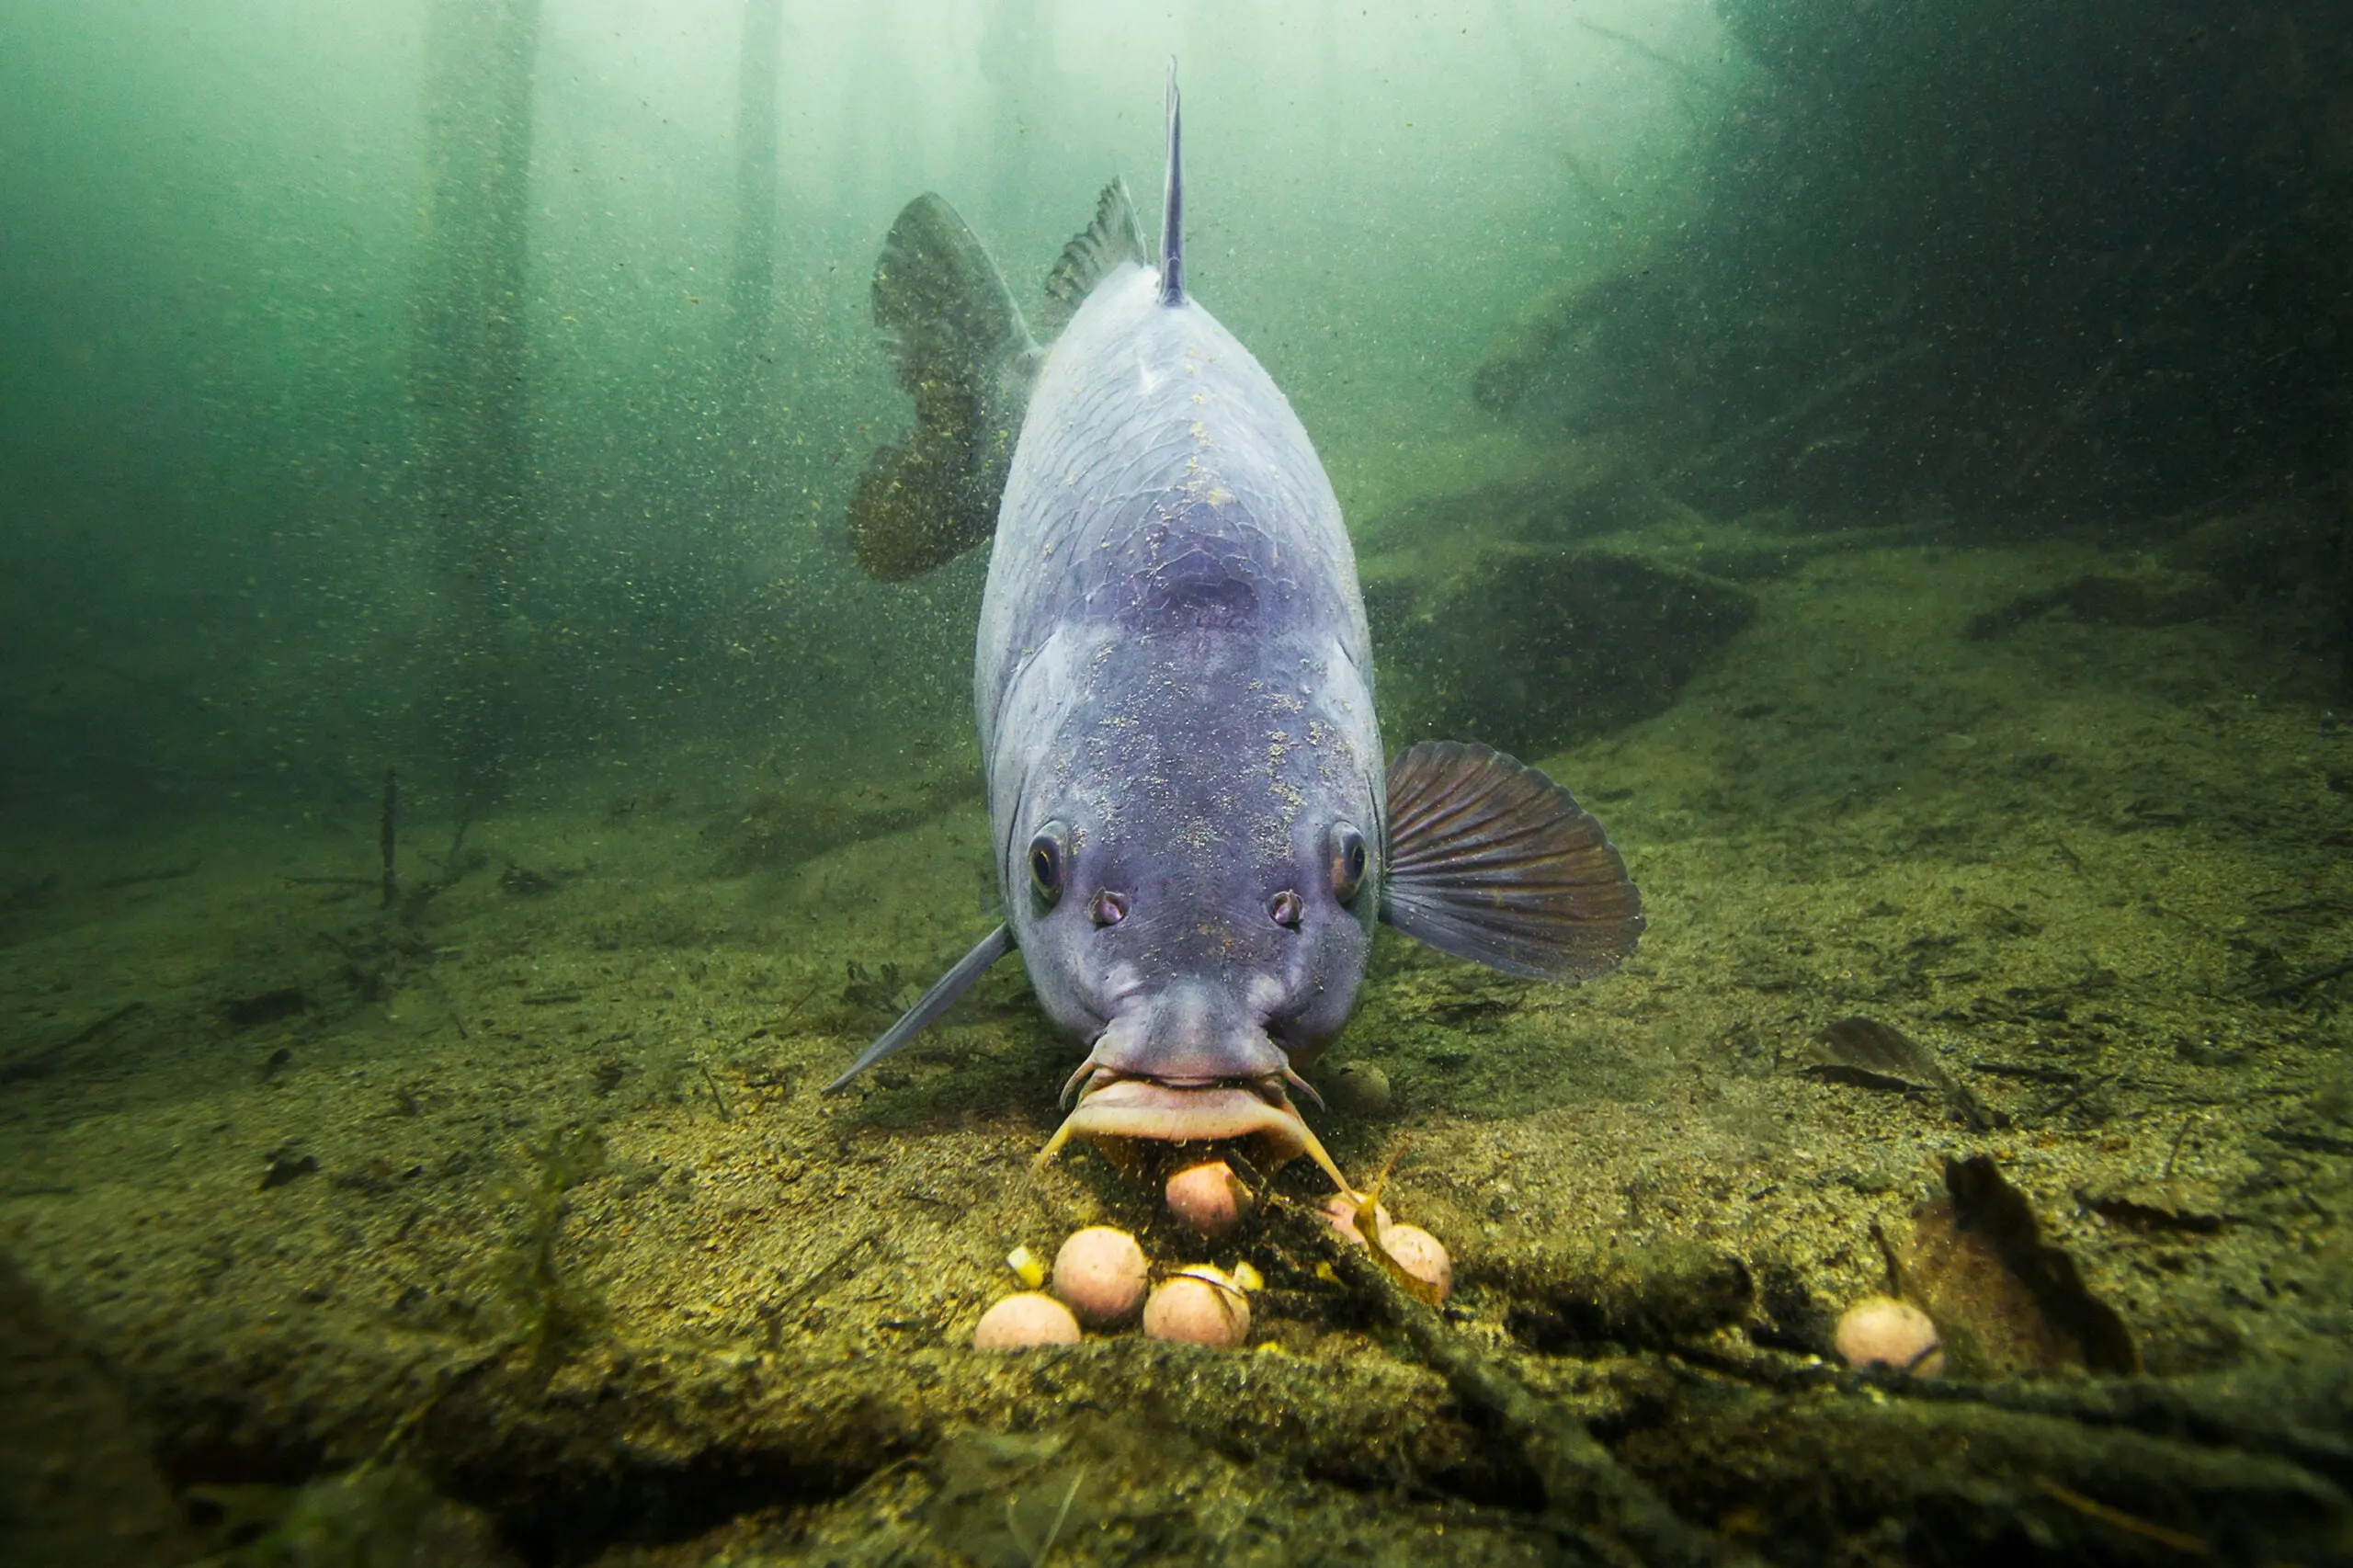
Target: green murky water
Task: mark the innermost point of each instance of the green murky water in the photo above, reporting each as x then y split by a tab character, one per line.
464	802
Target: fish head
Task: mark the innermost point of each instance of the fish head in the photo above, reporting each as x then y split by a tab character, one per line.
1198	881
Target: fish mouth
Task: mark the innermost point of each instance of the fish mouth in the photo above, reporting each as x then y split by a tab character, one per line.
1116	1110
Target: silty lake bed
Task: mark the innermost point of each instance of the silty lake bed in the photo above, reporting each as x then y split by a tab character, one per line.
511	1218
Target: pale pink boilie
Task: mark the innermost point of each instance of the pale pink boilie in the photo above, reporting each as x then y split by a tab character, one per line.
1880	1331
1209	1198
1341	1211
1420	1255
1100	1275
1019	1322
1198	1306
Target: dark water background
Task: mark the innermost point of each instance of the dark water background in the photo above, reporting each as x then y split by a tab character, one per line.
2041	266
225	329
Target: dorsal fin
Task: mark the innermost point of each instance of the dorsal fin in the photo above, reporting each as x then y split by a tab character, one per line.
1115	237
1172	207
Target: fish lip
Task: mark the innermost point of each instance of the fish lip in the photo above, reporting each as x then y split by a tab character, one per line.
1121	1107
1117	1110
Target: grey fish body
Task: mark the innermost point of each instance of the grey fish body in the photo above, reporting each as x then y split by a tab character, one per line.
1193	828
1173	663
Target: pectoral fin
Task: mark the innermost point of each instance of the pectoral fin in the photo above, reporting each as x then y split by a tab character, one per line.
935	1001
1491	861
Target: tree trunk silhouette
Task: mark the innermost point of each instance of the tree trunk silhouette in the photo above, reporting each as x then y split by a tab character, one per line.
746	350
467	370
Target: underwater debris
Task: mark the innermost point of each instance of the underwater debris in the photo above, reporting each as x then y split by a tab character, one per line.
262	1007
556	1310
43	1062
1869	1054
144	879
2106	598
1534	646
1586	1487
518	881
375	1177
1359	1088
2131	1524
282	1164
2304	982
2309	1143
2007	1302
776	830
1037	1554
868	991
456	865
772	1312
1655	1297
1002	1500
2168	1204
718	1097
383	1513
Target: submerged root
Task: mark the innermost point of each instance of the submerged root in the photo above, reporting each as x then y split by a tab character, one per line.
1605	1504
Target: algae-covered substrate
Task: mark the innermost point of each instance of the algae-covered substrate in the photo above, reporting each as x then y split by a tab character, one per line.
514	1211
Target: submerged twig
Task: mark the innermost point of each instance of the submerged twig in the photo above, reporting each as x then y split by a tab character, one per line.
1037	1554
794	1011
1806	407
1606	1503
41	1063
2131	1524
2068	1100
809	1279
2174	1154
453	870
138	879
712	1085
2303	983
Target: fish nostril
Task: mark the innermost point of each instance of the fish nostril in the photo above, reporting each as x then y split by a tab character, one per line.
1110	908
1286	909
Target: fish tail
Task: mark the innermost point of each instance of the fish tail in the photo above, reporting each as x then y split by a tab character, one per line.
967	358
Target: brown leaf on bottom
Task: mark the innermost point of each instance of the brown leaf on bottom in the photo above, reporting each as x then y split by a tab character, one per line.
2008	1303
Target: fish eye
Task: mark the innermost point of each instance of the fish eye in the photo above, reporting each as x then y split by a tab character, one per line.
1286	909
1049	860
1346	847
1110	908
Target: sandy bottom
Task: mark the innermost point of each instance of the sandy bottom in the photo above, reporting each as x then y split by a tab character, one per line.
527	1188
